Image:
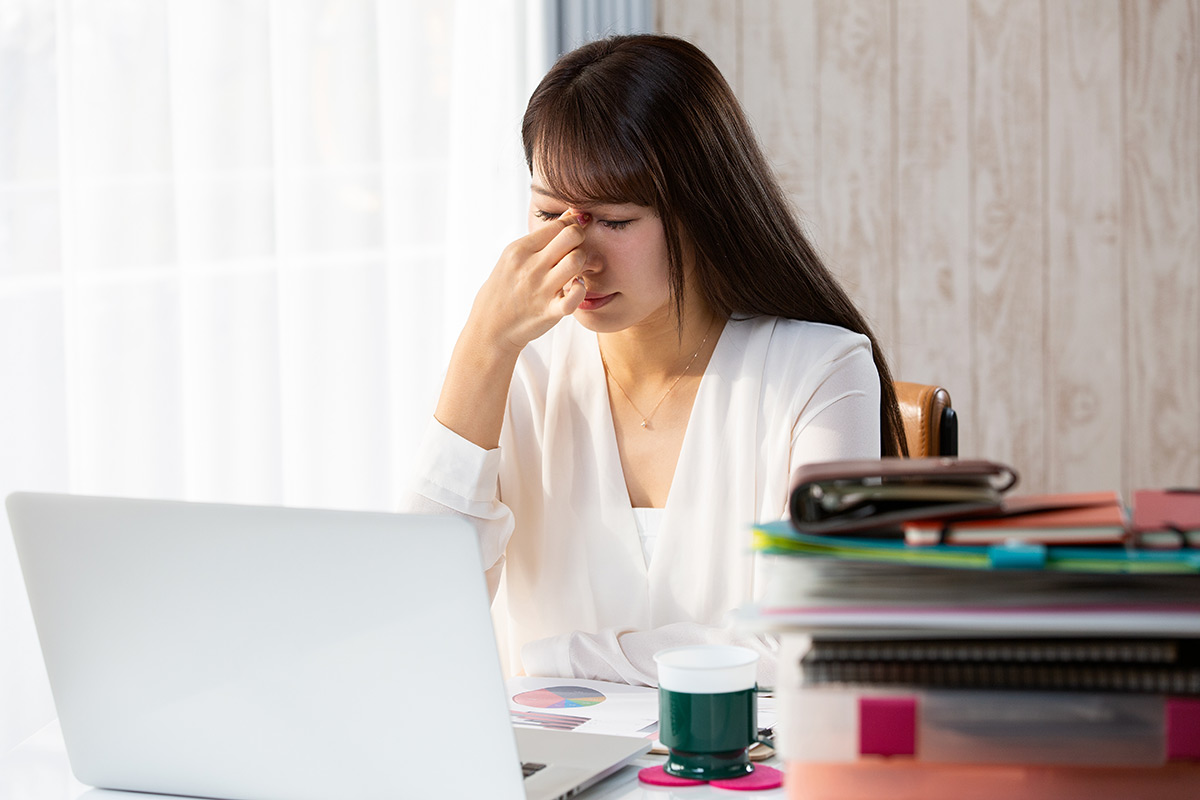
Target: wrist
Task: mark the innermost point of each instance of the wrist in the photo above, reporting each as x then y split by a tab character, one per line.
484	335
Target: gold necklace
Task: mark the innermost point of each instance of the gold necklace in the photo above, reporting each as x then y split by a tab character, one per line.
646	417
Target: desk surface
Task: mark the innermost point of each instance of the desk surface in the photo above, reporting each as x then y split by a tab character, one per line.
38	770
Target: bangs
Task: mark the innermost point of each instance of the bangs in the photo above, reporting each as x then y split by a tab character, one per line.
584	161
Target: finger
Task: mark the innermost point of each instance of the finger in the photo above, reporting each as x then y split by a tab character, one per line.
572	284
568	269
561	261
563	231
573	295
573	216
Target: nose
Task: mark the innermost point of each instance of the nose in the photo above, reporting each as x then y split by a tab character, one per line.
593	257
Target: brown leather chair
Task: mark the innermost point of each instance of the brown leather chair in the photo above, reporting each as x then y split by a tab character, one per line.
930	423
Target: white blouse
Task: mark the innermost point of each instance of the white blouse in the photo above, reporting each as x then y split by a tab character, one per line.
580	597
648	521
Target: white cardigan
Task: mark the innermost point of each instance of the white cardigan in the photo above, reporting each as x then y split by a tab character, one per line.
554	516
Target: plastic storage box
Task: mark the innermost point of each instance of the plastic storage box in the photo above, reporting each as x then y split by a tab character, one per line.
832	725
899	779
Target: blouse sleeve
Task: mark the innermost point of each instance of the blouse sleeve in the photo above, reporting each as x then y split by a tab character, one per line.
627	656
840	419
456	477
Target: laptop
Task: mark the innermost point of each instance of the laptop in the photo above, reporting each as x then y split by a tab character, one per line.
248	653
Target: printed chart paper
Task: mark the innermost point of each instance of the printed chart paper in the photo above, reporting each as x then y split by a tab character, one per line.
596	706
589	706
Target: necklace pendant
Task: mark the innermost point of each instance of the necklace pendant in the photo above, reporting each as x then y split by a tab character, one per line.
644	422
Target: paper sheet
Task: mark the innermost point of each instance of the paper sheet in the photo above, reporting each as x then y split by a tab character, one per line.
596	706
590	706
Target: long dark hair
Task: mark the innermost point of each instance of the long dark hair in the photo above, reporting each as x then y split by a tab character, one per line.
649	120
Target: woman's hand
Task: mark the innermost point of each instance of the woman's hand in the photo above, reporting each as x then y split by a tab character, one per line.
534	284
532	287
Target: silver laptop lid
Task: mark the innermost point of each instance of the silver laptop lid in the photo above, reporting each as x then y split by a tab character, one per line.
246	652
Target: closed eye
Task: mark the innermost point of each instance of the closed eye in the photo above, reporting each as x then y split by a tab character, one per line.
611	224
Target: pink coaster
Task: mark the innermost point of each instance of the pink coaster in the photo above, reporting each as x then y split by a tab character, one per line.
763	777
656	777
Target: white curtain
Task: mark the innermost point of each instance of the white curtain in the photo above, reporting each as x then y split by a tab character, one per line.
237	240
574	22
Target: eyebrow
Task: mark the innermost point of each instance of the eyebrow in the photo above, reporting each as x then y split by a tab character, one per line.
536	189
547	193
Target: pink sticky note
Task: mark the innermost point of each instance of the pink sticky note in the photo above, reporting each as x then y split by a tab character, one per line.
887	726
1183	729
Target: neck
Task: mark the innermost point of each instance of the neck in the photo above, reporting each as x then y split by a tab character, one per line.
653	353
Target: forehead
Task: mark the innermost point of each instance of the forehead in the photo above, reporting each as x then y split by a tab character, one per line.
543	193
540	187
546	188
594	178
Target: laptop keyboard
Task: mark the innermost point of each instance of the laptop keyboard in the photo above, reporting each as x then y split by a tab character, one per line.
530	767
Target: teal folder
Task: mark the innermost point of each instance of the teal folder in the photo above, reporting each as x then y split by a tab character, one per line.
780	538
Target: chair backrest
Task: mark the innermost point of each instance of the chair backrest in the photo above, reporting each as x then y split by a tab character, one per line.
930	423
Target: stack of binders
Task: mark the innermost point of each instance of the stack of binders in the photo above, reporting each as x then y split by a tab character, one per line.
978	645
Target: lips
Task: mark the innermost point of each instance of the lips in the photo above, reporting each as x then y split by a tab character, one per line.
593	301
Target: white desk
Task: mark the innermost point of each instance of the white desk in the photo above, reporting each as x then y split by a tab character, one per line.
38	770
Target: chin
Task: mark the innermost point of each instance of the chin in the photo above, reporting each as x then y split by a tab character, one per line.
597	324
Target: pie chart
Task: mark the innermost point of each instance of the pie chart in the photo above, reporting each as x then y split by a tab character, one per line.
559	697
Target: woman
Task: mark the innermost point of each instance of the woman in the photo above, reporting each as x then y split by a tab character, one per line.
640	375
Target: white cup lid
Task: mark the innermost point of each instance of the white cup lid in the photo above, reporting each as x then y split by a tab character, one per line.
707	668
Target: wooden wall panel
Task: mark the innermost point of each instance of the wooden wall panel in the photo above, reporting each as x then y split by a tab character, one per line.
1023	173
712	25
1161	247
1085	332
853	218
931	210
779	79
1007	234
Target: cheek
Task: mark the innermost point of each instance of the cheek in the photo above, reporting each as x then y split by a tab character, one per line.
652	253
